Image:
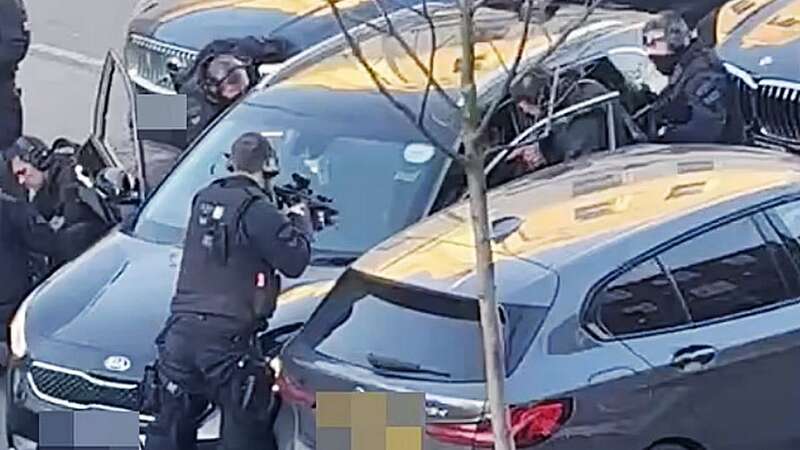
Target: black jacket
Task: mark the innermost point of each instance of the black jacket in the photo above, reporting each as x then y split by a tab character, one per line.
22	232
58	202
14	36
229	263
700	104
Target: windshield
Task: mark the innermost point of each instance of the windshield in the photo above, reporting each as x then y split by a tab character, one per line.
354	147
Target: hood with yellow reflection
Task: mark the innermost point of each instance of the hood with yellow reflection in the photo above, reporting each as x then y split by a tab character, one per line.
288	7
555	218
761	37
495	51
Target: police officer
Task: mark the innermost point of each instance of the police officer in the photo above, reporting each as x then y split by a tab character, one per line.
224	70
700	102
227	286
584	133
48	177
14	42
23	232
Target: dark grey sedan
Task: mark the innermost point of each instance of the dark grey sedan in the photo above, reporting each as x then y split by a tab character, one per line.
649	300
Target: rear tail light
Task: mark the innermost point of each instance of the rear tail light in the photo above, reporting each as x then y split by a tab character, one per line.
292	392
530	425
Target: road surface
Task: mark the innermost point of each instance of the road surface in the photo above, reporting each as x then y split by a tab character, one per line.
59	77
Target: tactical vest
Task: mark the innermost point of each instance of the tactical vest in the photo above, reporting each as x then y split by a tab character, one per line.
221	275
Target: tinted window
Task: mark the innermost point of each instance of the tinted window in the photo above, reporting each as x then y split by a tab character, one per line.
642	299
786	219
363	319
727	270
356	149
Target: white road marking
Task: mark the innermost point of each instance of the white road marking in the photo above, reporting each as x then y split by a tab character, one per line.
69	55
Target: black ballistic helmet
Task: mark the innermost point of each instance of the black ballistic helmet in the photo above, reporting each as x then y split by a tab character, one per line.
252	153
667	32
33	151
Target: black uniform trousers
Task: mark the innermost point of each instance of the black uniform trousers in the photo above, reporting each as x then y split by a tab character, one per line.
10	113
206	363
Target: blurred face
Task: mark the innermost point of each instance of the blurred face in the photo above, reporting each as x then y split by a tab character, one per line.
529	108
27	175
659	53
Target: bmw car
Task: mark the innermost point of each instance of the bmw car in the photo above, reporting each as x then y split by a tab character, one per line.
165	35
83	338
648	300
759	40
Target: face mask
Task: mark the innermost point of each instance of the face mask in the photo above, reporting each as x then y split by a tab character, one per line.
665	63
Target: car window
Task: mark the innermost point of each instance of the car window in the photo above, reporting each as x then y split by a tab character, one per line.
725	271
637	68
364	318
786	219
640	300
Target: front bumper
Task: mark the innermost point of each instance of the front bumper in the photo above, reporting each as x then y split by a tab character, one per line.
24	405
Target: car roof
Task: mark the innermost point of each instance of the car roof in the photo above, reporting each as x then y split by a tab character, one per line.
498	33
599	199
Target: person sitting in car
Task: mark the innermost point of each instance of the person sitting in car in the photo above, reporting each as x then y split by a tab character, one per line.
581	134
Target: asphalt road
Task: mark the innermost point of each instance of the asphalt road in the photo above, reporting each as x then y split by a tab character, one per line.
60	75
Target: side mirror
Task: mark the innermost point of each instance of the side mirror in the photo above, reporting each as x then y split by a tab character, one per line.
114	183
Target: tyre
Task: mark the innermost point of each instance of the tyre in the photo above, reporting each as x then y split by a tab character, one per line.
668	447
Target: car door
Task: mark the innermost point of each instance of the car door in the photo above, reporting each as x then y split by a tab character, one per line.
730	376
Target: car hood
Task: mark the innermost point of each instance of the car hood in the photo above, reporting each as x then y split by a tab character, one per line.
766	40
113	300
193	23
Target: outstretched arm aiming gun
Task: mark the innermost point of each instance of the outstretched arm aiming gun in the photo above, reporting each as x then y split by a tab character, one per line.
288	195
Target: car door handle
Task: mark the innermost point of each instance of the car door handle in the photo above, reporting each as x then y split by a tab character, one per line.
693	358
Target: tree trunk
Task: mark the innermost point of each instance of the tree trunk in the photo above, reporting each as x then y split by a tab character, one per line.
493	344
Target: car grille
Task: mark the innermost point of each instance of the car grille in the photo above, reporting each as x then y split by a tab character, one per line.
773	108
778	110
147	59
62	386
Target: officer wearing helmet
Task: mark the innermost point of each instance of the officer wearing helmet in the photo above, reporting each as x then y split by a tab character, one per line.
48	179
14	42
237	242
700	103
224	70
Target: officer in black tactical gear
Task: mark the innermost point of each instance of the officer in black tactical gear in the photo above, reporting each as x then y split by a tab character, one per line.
14	43
236	241
49	180
224	70
23	233
700	102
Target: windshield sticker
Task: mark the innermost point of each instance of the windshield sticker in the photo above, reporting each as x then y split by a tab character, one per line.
419	153
408	177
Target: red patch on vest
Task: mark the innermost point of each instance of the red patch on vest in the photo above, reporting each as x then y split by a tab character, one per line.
261	280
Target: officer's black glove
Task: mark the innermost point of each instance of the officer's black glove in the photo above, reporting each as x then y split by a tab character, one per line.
300	215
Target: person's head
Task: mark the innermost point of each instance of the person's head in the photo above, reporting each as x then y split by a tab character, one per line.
666	38
253	155
226	78
532	91
30	158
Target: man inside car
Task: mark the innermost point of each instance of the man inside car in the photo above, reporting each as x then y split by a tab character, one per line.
700	103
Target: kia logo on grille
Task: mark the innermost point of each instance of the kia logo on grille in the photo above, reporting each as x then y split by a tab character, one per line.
117	363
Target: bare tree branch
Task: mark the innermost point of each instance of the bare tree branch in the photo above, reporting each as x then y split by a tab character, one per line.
591	6
356	49
429	70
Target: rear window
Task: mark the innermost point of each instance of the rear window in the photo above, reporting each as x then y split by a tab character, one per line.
399	330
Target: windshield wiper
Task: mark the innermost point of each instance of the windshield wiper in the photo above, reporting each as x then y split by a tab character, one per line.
396	365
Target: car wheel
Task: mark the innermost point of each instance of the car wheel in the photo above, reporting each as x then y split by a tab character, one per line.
668	447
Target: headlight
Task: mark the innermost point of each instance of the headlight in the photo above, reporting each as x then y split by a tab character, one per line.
19	345
275	365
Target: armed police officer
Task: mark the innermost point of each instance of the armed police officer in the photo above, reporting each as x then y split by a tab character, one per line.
14	43
224	70
700	103
48	179
236	242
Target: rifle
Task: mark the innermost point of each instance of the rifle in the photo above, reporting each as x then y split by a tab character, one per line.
322	214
